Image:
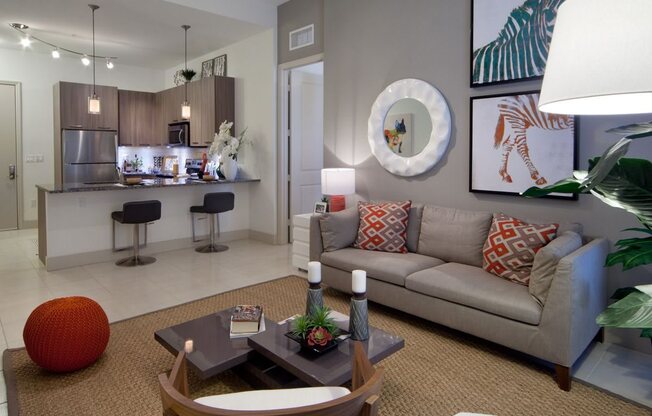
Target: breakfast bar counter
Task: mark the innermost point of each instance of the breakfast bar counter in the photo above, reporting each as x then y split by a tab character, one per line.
75	225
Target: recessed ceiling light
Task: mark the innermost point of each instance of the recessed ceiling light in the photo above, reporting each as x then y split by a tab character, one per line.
85	60
56	54
109	63
19	26
26	41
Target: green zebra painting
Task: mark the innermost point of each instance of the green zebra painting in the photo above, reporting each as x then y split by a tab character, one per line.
521	49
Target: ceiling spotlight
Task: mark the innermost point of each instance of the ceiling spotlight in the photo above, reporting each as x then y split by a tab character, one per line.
19	26
109	64
85	60
26	42
56	54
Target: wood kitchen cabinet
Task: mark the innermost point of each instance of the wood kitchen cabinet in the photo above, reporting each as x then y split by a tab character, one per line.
212	100
72	105
137	119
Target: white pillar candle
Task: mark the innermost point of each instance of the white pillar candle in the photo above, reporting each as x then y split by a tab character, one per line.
188	346
359	281
314	272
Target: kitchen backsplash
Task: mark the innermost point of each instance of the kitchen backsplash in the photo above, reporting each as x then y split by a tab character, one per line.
148	155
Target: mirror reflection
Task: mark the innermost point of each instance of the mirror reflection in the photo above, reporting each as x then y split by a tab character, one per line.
407	127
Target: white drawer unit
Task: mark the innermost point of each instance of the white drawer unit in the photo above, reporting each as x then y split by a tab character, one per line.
301	241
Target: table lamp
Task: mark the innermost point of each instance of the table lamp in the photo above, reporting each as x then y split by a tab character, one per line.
600	59
337	182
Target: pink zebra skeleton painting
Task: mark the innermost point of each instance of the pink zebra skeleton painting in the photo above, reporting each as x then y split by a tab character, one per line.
517	114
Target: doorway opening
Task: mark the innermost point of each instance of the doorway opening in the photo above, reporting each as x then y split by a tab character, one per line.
302	141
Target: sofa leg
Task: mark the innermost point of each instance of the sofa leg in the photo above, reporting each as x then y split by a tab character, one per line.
563	377
599	337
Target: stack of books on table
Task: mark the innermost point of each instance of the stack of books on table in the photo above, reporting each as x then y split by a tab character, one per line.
246	320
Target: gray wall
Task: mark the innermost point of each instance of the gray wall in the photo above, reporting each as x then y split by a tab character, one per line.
371	43
295	14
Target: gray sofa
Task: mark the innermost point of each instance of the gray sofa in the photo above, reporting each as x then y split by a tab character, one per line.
441	279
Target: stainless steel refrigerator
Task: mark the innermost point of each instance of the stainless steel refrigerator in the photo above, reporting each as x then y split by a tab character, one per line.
89	156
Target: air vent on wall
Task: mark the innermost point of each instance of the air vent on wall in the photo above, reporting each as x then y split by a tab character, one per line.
302	37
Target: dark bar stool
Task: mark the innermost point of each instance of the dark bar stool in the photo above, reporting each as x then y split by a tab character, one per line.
138	212
214	203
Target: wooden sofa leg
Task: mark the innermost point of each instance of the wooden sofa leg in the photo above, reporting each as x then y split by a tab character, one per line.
563	377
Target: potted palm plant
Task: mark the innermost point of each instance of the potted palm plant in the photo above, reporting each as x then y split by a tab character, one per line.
624	183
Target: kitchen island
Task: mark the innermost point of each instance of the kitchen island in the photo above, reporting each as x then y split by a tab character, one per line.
75	225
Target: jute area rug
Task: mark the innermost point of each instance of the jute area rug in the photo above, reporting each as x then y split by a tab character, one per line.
439	372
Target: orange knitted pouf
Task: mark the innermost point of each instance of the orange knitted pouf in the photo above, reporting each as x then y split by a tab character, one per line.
66	334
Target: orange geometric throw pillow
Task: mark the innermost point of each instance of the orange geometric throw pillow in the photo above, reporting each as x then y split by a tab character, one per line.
511	245
383	226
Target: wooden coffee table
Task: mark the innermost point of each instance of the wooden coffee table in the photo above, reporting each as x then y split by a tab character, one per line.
332	368
268	359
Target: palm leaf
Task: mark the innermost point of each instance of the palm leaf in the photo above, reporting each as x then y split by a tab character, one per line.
630	257
646	333
633	131
622	292
632	311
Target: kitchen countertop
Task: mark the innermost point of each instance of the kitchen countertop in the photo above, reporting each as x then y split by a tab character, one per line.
146	183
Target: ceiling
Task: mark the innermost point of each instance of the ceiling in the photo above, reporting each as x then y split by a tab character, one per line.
139	32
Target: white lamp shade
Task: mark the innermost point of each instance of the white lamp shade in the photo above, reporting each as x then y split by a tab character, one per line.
338	181
93	105
185	111
600	59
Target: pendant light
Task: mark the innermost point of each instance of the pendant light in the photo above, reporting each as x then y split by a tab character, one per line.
185	107
93	100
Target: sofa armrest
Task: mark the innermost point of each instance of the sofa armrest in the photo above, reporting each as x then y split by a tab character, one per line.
578	293
316	245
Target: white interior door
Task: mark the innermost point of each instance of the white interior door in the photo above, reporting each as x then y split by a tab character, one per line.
306	138
8	172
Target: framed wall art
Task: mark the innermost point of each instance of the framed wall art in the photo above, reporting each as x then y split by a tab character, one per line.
219	66
510	39
514	146
207	68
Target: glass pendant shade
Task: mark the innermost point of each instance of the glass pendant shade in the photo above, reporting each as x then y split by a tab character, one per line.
94	104
185	110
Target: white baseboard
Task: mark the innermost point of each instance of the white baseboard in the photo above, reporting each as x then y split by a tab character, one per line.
262	237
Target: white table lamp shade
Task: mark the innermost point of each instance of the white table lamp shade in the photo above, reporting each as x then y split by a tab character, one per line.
600	59
338	181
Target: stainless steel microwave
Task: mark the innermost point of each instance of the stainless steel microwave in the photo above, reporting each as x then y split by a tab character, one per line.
178	133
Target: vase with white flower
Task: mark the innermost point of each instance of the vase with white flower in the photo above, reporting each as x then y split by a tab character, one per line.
226	147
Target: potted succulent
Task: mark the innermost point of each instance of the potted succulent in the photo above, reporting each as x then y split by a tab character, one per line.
624	183
188	74
317	332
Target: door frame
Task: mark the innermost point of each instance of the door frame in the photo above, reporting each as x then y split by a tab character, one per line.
19	149
283	161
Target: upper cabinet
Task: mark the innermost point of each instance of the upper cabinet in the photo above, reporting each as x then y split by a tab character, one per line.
212	100
72	105
137	119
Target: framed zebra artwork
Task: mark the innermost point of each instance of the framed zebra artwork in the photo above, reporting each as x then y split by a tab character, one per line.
510	39
515	146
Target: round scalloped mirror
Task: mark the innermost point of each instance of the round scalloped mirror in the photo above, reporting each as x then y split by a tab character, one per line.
409	127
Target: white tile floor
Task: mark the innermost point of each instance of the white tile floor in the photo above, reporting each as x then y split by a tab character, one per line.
124	293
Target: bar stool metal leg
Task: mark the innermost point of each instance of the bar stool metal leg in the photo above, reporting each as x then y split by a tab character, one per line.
136	259
212	247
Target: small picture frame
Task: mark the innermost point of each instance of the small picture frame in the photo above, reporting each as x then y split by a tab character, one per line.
207	68
219	66
320	208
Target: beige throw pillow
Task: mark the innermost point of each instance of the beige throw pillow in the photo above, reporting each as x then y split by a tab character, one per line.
453	234
545	263
339	229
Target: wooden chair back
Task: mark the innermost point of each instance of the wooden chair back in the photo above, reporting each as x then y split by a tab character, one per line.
364	399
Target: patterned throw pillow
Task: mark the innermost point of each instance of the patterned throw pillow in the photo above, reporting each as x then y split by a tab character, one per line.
511	245
383	226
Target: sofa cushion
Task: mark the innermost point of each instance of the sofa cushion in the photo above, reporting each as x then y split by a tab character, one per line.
575	227
414	227
388	267
453	235
545	263
383	226
473	287
511	245
339	229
